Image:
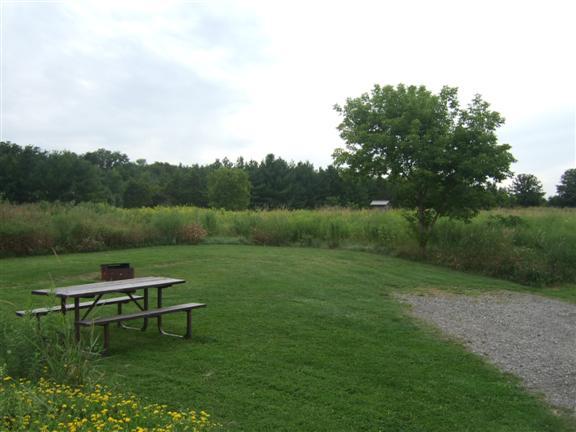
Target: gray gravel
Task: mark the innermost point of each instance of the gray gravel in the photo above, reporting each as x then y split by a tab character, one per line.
530	336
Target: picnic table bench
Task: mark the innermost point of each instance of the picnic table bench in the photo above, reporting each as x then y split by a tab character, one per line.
151	313
96	291
68	307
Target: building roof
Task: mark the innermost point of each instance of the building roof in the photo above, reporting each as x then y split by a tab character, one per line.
380	203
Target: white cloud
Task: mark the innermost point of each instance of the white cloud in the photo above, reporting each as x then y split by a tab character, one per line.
191	81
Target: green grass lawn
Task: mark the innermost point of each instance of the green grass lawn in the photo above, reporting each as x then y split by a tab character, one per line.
300	340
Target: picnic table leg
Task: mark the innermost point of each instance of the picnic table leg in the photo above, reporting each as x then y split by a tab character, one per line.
146	306
159	303
160	329
143	308
77	318
119	313
188	334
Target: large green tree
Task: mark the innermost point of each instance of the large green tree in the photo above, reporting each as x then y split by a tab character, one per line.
68	177
270	182
567	188
527	191
228	188
439	158
22	173
106	159
137	193
304	184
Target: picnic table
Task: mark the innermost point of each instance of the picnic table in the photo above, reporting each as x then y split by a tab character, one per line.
98	294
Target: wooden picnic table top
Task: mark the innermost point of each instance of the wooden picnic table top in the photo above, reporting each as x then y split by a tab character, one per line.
125	285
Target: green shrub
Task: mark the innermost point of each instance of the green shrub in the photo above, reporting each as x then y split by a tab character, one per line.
335	233
244	224
192	233
509	221
210	222
24	230
31	348
22	238
533	246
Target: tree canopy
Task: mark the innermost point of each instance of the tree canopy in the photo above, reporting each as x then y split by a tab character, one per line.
440	159
567	188
29	174
527	191
229	188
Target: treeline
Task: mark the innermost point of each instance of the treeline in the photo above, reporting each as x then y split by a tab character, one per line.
30	174
527	191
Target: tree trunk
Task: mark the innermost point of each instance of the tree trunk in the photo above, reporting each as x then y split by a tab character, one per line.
426	222
422	231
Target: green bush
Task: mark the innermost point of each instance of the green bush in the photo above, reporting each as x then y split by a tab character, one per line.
31	348
532	246
192	234
535	248
25	230
168	224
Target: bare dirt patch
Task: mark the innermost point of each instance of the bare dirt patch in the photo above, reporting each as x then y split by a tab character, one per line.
530	336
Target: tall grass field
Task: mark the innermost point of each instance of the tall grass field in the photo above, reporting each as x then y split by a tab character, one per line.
531	246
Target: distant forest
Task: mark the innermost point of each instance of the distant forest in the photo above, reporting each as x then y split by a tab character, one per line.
30	174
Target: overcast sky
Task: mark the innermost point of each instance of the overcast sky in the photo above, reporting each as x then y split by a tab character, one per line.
189	82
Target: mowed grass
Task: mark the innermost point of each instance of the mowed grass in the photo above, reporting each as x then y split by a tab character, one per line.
298	339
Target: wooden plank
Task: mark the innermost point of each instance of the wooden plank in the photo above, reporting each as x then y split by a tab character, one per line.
84	305
142	314
126	285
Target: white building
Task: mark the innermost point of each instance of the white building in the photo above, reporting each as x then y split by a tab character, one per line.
380	204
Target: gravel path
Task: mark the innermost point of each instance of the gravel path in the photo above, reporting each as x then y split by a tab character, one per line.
530	336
